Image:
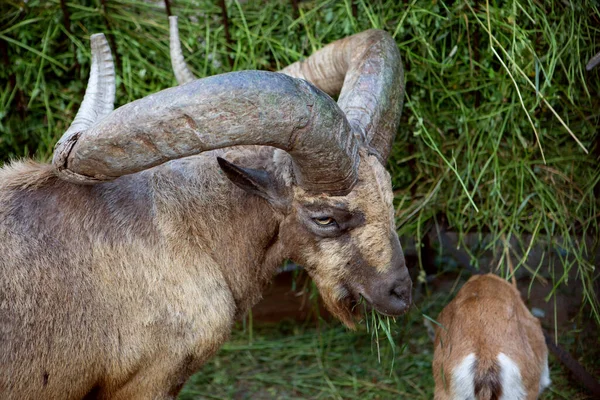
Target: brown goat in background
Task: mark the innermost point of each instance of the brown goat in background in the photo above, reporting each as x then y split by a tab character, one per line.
488	345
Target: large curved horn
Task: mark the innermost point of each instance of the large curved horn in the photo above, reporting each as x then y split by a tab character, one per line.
238	108
366	70
180	68
99	97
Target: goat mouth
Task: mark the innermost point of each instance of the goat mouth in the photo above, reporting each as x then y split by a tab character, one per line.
358	301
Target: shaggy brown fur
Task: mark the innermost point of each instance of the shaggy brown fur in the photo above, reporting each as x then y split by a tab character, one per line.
122	290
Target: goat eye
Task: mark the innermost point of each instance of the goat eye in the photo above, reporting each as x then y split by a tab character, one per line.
324	221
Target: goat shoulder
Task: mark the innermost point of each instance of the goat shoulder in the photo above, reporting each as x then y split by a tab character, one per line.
130	270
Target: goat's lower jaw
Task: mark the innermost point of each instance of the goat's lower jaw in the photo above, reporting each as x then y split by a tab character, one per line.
341	306
357	301
351	306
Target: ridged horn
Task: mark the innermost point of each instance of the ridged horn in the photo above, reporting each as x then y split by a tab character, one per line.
180	68
238	108
99	97
366	71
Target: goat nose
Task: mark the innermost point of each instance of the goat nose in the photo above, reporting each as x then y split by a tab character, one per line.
391	296
402	288
401	294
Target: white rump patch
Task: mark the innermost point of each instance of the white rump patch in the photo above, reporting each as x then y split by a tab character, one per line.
510	379
463	376
545	378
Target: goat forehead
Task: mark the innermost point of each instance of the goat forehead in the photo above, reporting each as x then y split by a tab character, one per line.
372	195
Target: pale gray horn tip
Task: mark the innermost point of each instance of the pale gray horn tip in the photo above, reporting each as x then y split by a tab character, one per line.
180	69
97	36
98	40
101	49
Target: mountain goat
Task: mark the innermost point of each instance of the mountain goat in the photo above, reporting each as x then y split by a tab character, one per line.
488	345
125	263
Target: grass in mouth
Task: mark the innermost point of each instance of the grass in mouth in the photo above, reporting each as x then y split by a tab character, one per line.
379	325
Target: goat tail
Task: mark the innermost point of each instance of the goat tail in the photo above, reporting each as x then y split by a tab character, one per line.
486	380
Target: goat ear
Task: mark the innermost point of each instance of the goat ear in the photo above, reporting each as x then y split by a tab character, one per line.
255	181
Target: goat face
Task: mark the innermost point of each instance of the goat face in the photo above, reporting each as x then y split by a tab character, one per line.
350	247
348	244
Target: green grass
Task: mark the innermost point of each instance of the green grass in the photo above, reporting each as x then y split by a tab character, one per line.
289	361
321	360
499	137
